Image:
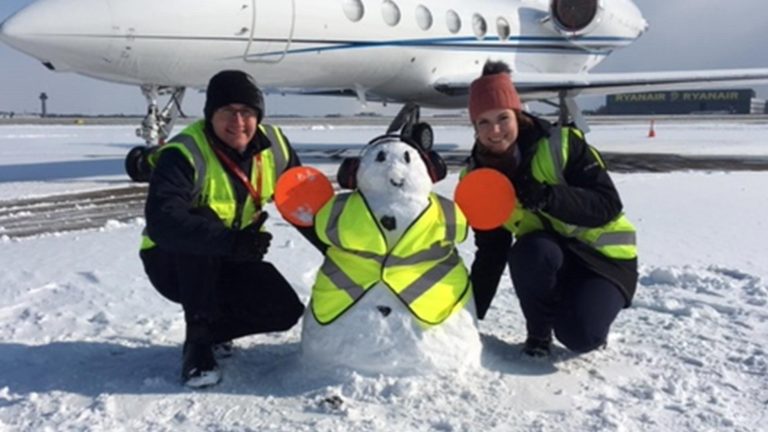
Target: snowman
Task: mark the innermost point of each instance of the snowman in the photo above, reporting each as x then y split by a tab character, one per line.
393	295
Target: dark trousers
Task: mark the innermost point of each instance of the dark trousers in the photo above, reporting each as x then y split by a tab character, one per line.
223	299
557	293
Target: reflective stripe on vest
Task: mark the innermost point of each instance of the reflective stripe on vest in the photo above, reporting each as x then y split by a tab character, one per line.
195	157
277	140
423	269
616	239
212	185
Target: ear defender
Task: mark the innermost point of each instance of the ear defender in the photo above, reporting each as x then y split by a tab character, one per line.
438	169
347	174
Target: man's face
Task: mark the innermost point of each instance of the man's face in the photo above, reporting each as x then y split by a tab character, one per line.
235	125
497	130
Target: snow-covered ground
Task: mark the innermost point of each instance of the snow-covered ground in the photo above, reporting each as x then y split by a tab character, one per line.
87	344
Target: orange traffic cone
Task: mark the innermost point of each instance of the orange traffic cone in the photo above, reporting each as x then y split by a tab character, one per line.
651	131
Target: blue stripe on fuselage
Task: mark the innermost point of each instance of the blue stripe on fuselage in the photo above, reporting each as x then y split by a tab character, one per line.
526	43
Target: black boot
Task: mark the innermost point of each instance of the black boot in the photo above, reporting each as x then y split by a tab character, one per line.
199	367
537	347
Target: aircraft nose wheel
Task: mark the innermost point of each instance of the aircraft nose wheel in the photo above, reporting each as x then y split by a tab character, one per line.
423	135
408	124
137	164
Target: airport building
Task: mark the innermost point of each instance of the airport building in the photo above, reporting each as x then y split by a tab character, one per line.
728	101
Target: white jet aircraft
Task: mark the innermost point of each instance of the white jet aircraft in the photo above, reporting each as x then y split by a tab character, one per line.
417	52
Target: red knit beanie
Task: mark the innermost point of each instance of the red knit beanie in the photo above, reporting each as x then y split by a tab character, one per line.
493	91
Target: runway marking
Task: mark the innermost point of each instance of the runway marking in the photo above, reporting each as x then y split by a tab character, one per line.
70	212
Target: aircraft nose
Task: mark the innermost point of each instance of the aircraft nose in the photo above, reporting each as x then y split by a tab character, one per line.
46	27
6	32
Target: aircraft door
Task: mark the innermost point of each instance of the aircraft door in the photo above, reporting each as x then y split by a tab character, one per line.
271	31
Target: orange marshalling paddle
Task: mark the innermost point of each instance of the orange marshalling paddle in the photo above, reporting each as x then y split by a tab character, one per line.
300	193
486	197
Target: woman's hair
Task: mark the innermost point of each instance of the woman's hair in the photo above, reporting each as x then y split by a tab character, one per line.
523	121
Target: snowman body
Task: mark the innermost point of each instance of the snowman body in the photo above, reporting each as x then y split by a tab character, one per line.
379	334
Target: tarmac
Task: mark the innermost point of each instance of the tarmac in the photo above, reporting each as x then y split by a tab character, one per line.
364	120
618	162
28	217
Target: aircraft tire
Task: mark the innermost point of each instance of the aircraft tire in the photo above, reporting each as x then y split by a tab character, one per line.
136	164
423	135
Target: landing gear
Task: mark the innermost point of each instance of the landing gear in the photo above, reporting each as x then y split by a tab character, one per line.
155	128
407	123
570	112
422	133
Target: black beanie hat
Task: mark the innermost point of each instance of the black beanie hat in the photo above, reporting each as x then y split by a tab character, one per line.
233	87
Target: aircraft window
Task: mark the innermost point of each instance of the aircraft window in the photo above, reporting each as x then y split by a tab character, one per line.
391	12
502	27
423	17
453	21
353	9
479	26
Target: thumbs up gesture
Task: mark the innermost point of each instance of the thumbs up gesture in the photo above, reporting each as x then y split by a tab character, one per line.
251	243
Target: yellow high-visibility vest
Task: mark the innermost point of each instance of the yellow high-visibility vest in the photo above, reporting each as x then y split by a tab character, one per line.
213	187
616	239
423	269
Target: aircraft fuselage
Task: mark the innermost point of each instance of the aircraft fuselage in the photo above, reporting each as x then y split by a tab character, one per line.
392	50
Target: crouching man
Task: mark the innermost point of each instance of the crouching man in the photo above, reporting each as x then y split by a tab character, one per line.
205	242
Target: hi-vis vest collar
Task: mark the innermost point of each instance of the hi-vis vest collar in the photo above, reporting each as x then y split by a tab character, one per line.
616	239
212	185
194	144
423	269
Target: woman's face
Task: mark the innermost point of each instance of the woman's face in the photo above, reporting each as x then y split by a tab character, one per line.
497	130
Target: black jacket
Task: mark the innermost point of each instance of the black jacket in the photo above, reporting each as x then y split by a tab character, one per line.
589	199
173	222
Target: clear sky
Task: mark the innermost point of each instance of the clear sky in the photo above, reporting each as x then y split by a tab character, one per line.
683	34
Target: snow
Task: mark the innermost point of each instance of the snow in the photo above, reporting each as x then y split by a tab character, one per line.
87	344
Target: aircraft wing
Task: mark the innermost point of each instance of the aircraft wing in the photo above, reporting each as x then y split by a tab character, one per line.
534	86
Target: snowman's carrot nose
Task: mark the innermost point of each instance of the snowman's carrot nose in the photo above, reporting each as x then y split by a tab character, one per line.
486	197
300	193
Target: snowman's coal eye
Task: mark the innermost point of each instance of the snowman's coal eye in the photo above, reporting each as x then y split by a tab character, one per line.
407	157
381	156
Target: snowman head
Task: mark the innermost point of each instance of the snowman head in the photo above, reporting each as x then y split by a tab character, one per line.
392	166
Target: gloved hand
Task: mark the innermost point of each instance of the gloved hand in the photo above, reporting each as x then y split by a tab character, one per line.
532	194
251	244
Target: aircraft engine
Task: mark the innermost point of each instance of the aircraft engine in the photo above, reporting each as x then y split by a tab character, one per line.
574	18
